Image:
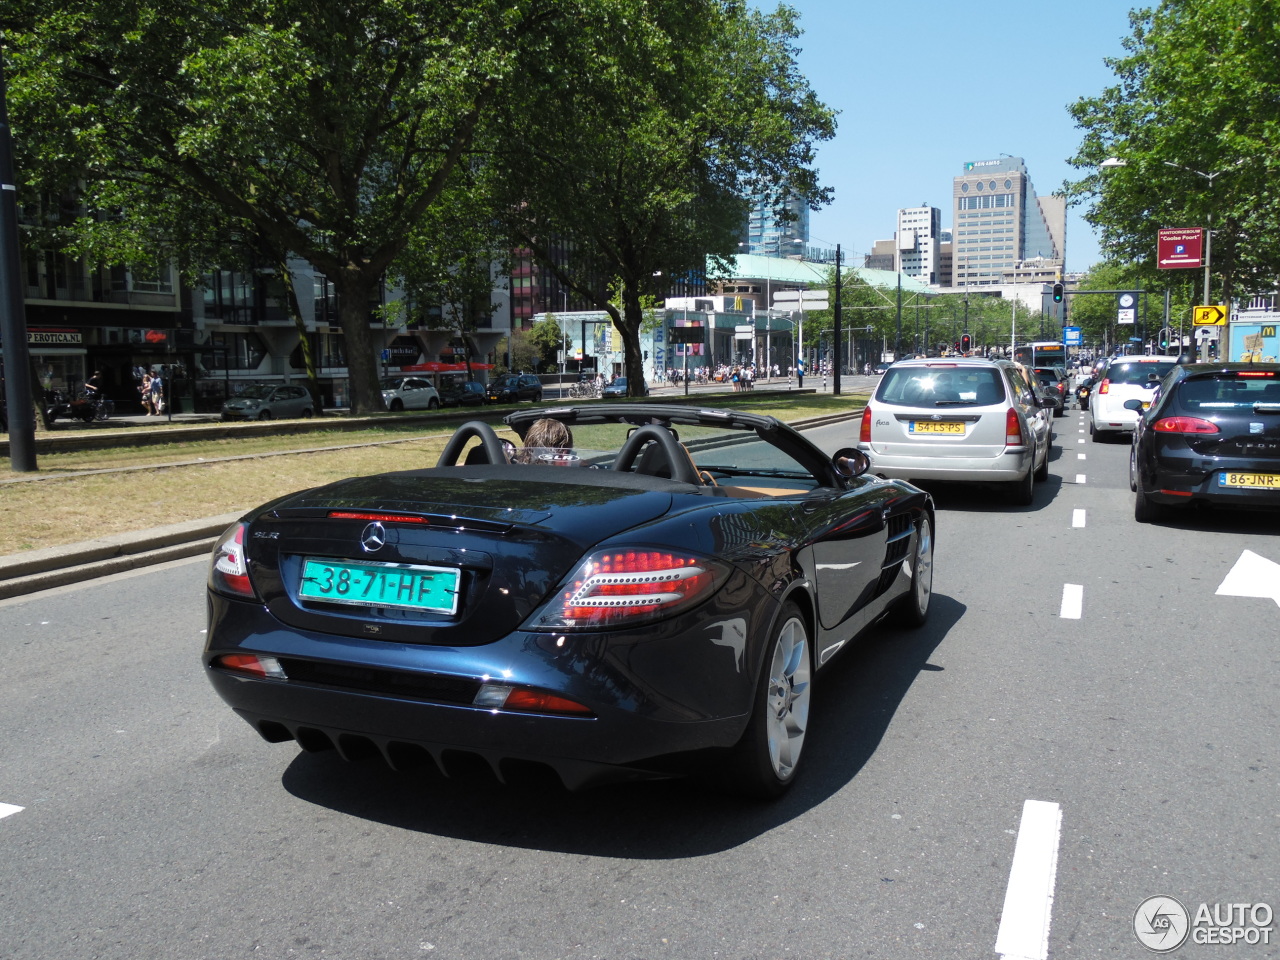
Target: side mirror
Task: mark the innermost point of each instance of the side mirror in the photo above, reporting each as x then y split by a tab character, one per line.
1135	405
850	462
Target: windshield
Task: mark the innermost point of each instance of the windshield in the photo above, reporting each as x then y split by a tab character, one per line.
256	391
1137	371
1228	393
391	383
941	386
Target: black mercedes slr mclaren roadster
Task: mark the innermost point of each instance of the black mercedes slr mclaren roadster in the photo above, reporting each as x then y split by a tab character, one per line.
650	597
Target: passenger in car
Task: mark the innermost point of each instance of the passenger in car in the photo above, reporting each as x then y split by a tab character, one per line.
548	441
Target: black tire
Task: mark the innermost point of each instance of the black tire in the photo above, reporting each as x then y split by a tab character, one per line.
266	415
396	405
308	413
1023	491
1145	510
766	760
1133	470
912	610
433	404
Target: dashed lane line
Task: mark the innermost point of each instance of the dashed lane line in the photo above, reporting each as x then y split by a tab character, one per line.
1077	518
1028	902
1072	601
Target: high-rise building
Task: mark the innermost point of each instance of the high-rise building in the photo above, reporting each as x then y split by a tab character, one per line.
918	237
1003	232
777	230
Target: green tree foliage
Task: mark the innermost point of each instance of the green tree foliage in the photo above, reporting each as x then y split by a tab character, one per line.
1198	89
328	128
640	154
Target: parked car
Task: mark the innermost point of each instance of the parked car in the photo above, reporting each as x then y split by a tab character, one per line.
269	401
650	602
514	387
466	393
618	388
409	393
963	418
1211	436
1126	378
1054	382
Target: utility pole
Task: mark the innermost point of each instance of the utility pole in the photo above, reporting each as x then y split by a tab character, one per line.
13	321
836	387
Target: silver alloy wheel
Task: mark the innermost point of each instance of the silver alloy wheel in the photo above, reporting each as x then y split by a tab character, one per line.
923	586
787	699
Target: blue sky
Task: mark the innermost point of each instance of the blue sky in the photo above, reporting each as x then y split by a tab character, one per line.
919	93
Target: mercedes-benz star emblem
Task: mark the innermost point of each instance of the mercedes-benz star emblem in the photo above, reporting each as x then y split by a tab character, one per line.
374	538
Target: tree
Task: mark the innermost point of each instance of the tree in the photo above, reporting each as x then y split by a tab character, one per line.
670	129
329	128
1193	117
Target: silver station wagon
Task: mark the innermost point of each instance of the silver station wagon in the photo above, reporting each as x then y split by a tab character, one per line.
967	419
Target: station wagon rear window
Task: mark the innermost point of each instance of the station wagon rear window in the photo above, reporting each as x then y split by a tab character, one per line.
941	386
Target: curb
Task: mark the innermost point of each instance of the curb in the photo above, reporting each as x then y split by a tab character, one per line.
37	570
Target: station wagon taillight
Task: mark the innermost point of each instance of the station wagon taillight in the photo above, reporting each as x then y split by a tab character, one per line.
1104	386
1013	436
864	434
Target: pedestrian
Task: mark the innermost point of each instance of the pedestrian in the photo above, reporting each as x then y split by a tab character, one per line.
157	392
144	390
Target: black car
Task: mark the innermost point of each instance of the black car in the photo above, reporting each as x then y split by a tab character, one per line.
1210	437
513	387
1053	380
468	393
651	601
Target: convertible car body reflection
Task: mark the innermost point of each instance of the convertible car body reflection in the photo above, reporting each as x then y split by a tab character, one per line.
653	597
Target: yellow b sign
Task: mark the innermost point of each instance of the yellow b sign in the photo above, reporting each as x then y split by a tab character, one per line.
1209	317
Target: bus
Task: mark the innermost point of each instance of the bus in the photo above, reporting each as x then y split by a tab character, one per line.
1041	353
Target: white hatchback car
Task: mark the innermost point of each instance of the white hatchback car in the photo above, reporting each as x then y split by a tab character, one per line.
1126	378
968	419
409	393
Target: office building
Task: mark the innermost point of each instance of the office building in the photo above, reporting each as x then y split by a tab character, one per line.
1003	232
777	229
918	243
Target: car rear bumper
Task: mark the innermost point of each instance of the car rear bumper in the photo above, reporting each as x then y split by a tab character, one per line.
1181	481
1012	464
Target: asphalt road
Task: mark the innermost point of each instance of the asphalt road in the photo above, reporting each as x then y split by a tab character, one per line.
154	823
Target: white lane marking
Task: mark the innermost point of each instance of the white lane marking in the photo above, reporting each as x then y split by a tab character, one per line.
8	809
1081	456
1077	518
1252	576
1079	478
1028	902
1081	440
1072	601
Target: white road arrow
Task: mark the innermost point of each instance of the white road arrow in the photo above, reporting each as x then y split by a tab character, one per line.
1252	576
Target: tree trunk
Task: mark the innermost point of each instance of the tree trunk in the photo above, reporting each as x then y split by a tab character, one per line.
308	361
633	360
354	289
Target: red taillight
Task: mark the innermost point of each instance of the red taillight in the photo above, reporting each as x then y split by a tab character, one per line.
1013	429
251	663
377	515
1104	387
1255	373
538	702
621	588
228	569
864	434
1184	425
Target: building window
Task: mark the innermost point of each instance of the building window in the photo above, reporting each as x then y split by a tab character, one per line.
233	351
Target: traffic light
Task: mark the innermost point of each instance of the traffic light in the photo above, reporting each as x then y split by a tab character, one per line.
966	342
1058	291
957	346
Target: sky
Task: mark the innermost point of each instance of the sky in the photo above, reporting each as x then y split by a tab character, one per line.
923	88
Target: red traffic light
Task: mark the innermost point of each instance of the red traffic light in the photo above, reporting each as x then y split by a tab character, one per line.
966	342
957	344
